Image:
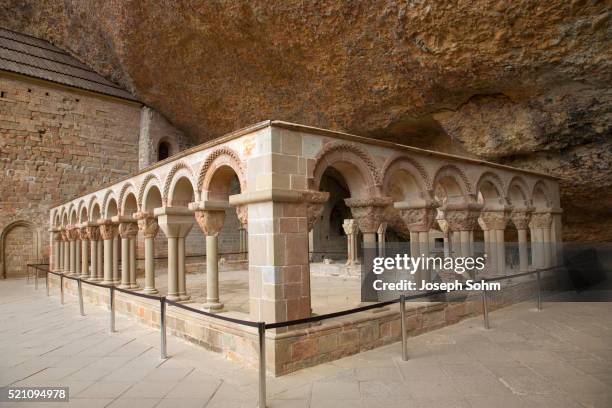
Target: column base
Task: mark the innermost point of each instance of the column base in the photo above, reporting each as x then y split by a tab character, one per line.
173	298
184	298
105	282
135	286
150	291
124	286
212	306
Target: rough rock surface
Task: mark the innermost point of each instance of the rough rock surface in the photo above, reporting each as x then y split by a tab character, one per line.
524	82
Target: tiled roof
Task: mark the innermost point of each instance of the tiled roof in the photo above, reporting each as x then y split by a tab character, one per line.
38	58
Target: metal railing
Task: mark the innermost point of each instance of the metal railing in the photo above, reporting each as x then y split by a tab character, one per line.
262	326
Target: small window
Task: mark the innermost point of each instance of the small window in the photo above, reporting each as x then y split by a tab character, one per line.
163	151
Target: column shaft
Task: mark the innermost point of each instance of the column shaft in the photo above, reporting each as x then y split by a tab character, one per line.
99	260
212	273
522	247
108	262
125	263
84	259
93	275
115	262
77	257
150	266
132	257
182	279
501	251
172	269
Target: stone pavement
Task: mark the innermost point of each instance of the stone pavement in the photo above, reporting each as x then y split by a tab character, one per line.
560	357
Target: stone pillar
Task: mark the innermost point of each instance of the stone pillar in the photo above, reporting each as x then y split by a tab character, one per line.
128	231
66	251
77	252
241	213
116	277
369	214
147	223
419	220
461	219
108	231
520	219
351	230
541	222
93	232
494	223
382	229
210	217
84	235
175	222
57	242
71	233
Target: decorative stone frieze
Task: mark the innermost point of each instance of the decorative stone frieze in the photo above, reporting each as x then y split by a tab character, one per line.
368	212
93	232
315	201
243	214
83	233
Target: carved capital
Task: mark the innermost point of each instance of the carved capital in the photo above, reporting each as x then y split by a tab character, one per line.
94	233
350	226
521	218
128	230
462	218
493	220
419	219
368	212
108	231
243	215
84	234
57	236
541	220
147	223
210	221
315	203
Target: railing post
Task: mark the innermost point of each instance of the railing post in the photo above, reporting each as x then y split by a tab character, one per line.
62	289
403	327
485	310
538	284
112	309
261	328
80	287
47	281
162	327
36	278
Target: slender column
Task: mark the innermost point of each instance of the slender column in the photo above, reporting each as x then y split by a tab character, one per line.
77	253
132	255
541	222
419	220
57	236
241	213
351	229
66	257
108	231
175	222
382	229
211	221
147	223
128	230
369	214
83	234
100	259
495	220
462	219
116	277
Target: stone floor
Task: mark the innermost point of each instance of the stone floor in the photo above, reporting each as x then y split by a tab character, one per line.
329	293
560	357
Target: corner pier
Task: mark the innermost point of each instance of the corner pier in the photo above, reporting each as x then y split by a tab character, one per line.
278	168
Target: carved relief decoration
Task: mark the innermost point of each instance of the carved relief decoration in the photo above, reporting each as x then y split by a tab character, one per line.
210	221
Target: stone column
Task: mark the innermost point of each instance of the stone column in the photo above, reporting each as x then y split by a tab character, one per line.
494	223
241	213
66	251
382	229
57	241
541	222
461	219
116	277
210	217
71	250
351	230
369	214
93	232
128	230
419	220
147	223
108	231
84	236
520	219
175	222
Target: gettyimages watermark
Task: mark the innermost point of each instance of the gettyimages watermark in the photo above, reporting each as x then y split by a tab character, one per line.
579	268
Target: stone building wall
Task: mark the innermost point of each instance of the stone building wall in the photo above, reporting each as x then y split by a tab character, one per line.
57	143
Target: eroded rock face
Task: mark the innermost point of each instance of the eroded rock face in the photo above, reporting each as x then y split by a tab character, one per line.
524	83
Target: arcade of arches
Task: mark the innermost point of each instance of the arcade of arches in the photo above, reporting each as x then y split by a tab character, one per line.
302	197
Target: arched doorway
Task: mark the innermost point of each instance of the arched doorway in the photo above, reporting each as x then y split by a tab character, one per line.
20	245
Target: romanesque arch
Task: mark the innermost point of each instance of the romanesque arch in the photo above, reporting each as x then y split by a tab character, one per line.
540	196
355	165
490	189
127	190
518	192
179	186
452	186
222	159
20	244
149	182
404	178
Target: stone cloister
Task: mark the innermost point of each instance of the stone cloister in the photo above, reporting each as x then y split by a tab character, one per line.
284	172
